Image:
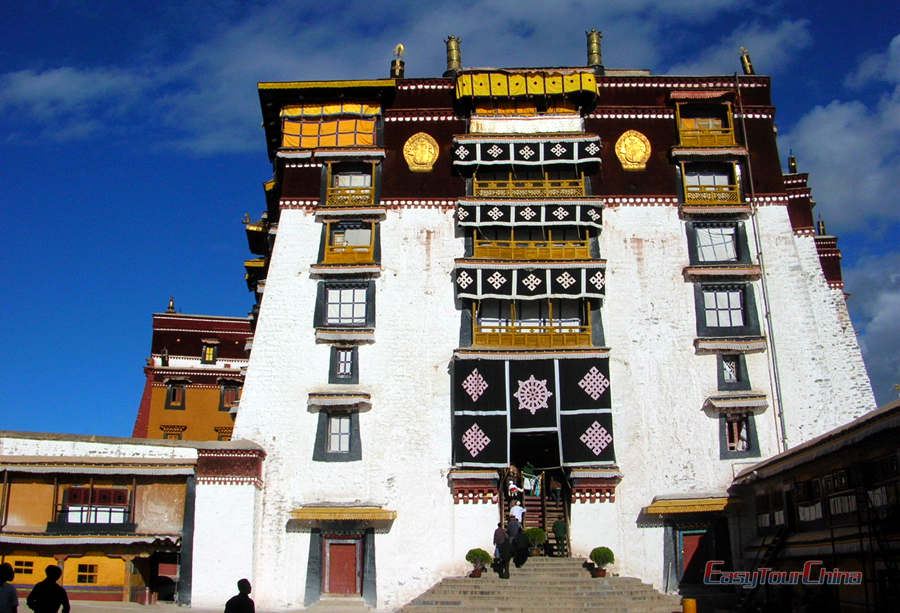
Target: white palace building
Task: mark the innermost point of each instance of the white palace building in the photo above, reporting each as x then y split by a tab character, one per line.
604	275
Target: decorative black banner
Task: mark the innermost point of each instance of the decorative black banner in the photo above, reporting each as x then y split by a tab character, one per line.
526	151
532	394
479	440
526	282
523	213
587	438
584	384
479	385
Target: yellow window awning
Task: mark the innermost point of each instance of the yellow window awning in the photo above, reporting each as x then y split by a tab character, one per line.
320	110
343	514
686	505
503	84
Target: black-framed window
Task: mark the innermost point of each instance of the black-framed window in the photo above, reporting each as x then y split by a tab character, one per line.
725	310
344	367
209	353
229	395
338	437
737	436
732	372
343	304
176	395
87	573
717	242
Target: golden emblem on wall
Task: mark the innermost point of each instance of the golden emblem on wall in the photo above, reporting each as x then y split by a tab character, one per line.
633	150
420	152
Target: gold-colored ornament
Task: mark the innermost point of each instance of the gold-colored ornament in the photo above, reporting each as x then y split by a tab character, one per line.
420	152
633	150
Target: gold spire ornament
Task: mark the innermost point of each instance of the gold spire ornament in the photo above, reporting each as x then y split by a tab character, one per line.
633	150
420	152
746	64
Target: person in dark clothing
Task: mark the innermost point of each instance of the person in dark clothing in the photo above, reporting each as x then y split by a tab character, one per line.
241	603
520	545
513	529
499	539
9	599
47	595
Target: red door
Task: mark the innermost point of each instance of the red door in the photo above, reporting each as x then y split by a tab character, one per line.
342	566
689	545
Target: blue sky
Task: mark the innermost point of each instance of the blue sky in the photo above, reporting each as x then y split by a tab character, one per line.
131	147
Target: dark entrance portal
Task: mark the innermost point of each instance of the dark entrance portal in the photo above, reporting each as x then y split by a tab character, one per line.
540	449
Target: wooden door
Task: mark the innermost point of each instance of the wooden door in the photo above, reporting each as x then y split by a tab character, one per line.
342	566
690	543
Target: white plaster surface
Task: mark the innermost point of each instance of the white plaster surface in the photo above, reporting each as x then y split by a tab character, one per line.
223	540
39	446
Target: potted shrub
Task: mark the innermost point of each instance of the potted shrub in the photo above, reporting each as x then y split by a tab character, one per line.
601	556
479	559
537	537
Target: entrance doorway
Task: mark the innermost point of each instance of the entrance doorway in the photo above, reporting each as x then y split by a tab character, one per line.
342	556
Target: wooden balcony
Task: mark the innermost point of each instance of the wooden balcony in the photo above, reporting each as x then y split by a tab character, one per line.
712	195
531	337
349	254
532	250
350	196
529	188
706	137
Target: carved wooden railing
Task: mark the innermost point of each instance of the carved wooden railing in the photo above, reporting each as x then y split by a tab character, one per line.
528	188
532	250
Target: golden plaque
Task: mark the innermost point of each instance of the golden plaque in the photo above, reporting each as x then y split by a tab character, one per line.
420	152
633	150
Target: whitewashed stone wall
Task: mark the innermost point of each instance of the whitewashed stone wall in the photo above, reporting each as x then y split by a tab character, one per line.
40	446
823	378
404	437
223	549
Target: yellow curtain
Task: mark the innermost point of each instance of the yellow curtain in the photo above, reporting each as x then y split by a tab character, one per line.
322	110
334	133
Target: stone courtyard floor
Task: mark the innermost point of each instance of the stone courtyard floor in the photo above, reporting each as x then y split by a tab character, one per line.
86	606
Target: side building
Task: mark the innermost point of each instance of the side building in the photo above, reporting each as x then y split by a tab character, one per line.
599	276
195	374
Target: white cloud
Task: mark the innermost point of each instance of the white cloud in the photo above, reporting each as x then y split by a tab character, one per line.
852	153
878	67
875	306
771	49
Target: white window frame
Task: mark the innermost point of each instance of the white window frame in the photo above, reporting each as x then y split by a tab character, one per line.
716	244
339	434
345	306
352	179
344	363
723	308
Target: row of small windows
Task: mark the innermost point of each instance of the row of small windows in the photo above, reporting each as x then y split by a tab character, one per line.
229	396
174	432
87	573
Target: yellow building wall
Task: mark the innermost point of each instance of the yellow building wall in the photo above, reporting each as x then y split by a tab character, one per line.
31	505
201	414
39	563
159	507
110	571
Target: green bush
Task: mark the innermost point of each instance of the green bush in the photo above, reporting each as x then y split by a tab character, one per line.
536	536
479	558
601	556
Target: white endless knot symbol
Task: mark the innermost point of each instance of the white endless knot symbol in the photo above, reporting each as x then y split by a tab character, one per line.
594	383
461	152
527	213
560	213
533	395
474	440
462	213
597	280
596	438
565	280
531	282
474	385
526	152
592	148
558	149
464	280
496	280
495	151
495	213
594	215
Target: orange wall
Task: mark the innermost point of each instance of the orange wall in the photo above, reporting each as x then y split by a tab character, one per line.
201	413
30	505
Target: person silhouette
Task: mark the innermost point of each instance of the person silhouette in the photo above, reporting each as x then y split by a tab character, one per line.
9	599
241	603
47	595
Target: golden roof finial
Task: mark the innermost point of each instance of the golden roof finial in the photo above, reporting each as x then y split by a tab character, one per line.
399	50
171	307
745	61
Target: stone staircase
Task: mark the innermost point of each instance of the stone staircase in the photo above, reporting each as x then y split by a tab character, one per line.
540	512
541	585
